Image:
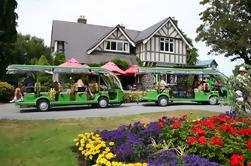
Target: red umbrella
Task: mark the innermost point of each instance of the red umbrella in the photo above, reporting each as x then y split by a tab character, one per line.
73	62
113	67
132	71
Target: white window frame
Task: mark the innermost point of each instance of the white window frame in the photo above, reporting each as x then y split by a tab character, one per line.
166	40
118	41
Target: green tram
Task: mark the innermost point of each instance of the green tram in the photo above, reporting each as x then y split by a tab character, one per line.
109	89
180	89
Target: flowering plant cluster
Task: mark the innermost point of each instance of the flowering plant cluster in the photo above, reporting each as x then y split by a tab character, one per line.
97	152
224	139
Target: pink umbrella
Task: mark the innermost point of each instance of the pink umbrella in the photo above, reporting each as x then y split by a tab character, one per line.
132	71
73	62
113	67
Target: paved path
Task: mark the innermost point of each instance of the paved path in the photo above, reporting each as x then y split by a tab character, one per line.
10	111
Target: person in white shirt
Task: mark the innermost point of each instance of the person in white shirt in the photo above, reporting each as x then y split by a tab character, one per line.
163	85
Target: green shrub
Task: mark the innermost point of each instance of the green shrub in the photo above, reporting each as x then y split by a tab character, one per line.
133	96
6	91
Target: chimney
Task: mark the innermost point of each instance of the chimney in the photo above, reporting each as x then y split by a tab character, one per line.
175	21
82	20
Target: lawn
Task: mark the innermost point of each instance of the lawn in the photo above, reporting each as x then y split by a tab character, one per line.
48	142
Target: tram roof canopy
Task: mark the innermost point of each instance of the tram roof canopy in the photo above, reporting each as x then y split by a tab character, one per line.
181	71
14	69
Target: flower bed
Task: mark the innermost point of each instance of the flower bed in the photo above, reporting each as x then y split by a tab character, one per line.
218	140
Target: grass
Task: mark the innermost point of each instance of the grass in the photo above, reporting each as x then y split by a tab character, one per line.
48	142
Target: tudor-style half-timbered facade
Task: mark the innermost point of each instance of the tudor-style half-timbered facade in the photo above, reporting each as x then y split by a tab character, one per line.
164	47
162	44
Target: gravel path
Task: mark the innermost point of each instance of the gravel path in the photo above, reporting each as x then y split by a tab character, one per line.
10	111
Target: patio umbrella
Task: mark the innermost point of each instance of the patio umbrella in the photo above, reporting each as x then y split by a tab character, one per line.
133	71
73	62
113	67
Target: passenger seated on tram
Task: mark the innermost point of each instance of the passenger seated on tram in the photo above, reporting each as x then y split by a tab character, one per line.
92	87
80	86
206	85
163	85
196	82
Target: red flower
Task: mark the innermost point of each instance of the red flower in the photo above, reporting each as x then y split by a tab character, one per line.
245	132
249	144
176	125
209	125
163	119
226	128
191	140
237	160
198	131
202	140
160	125
216	141
184	116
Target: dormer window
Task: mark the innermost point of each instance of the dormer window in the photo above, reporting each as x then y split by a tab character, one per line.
117	46
166	44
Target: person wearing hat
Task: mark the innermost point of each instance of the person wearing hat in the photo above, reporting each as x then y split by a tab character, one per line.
242	76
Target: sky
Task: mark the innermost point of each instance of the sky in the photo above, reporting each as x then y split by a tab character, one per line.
36	16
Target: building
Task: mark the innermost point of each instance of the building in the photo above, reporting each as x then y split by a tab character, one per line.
207	63
162	44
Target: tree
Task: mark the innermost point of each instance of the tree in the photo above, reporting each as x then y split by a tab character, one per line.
192	55
8	22
42	61
59	58
226	28
26	50
121	63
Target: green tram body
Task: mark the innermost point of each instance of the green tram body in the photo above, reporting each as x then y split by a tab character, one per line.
113	95
162	98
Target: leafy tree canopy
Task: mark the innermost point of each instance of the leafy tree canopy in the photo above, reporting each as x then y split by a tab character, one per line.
121	63
59	58
43	61
26	50
8	23
226	28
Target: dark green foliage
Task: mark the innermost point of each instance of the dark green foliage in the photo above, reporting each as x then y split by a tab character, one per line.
139	61
8	17
59	59
226	28
192	56
42	61
94	65
26	50
121	63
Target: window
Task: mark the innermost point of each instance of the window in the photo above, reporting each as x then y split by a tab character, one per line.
166	45
60	46
117	46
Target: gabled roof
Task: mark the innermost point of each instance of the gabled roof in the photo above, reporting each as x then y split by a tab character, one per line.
206	62
101	40
80	37
148	33
150	30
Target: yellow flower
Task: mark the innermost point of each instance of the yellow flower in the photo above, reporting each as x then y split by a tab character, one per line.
109	155
111	143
